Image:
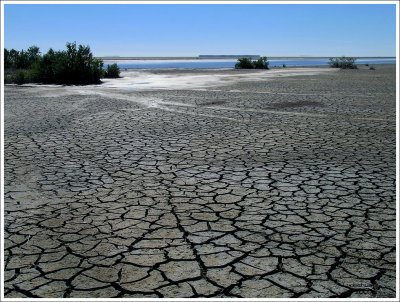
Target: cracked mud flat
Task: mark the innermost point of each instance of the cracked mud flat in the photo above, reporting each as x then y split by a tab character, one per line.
278	187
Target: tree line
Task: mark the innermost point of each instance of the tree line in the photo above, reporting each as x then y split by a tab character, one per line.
74	66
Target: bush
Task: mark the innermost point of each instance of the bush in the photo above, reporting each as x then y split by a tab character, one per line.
19	78
261	63
246	63
7	59
73	66
8	79
21	59
343	62
112	71
372	68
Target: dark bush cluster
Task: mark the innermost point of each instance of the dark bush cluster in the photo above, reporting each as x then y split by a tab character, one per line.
21	59
343	62
112	71
73	66
247	63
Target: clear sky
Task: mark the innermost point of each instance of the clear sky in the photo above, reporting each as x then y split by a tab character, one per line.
190	30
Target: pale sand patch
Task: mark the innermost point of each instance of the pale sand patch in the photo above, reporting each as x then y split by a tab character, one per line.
131	81
143	80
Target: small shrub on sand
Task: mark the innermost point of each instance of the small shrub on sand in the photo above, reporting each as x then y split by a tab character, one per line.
372	68
112	71
261	63
343	62
246	63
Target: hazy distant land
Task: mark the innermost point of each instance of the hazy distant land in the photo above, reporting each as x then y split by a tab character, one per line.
218	57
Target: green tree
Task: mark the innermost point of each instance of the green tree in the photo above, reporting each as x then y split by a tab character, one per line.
7	62
33	54
73	66
22	60
13	58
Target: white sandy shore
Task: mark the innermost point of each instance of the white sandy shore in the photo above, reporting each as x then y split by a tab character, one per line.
148	80
132	81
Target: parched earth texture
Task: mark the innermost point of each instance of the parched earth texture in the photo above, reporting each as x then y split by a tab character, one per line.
275	188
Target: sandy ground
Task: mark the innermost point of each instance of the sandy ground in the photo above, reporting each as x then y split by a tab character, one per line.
203	184
170	79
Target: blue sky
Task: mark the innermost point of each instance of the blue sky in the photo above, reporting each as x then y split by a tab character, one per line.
190	30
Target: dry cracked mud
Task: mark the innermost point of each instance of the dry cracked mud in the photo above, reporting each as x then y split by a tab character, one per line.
275	188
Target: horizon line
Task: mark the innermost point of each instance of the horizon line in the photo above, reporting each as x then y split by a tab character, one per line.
116	57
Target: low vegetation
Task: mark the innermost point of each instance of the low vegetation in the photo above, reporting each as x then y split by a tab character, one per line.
112	71
247	63
343	62
21	59
73	66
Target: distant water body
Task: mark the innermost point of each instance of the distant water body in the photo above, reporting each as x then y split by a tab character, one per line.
217	64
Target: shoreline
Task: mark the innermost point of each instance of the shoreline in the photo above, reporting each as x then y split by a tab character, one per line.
145	79
116	58
171	78
233	68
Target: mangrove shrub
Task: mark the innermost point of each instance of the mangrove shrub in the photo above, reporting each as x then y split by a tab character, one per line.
73	66
343	62
112	71
247	63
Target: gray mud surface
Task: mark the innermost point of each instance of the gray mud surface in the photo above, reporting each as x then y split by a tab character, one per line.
276	188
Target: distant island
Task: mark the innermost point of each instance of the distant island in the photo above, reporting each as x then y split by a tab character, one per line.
200	57
253	57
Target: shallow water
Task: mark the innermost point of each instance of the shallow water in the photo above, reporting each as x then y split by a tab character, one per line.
214	64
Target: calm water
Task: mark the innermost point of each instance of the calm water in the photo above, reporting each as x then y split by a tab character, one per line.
210	64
